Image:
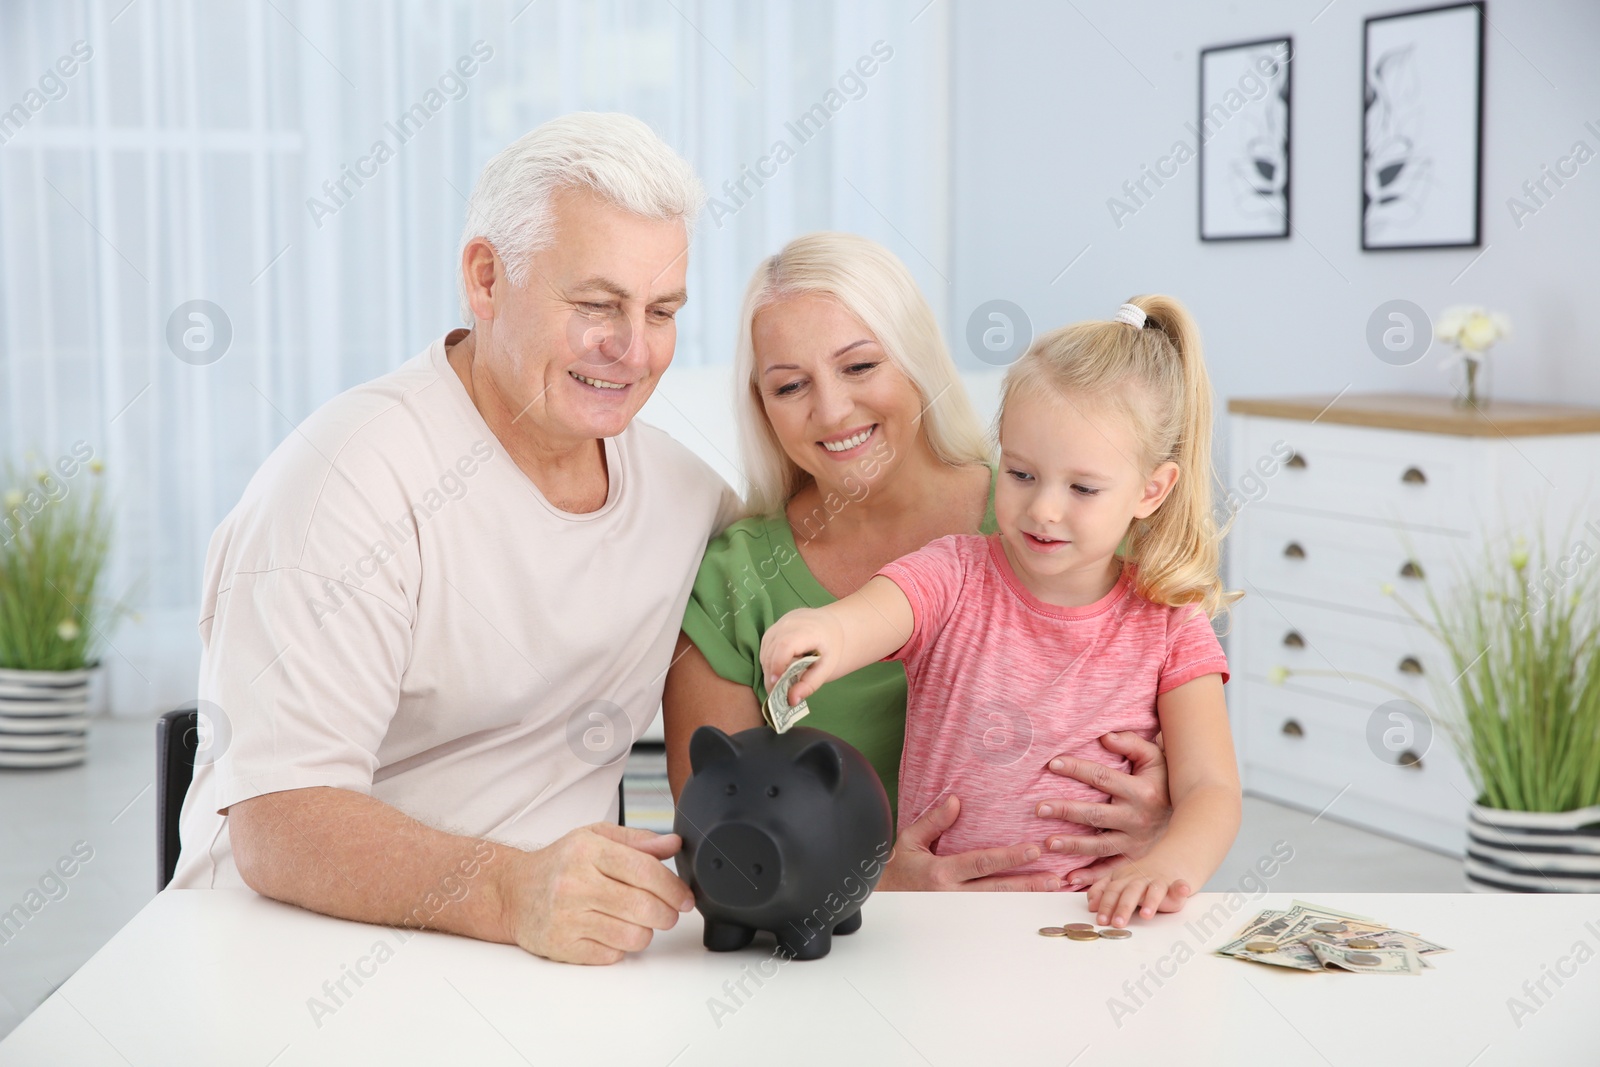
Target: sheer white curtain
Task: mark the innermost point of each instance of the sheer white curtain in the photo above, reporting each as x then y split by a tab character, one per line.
160	152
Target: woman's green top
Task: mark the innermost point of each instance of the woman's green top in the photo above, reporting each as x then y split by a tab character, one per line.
751	575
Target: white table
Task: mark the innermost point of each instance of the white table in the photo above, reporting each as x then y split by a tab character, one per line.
215	977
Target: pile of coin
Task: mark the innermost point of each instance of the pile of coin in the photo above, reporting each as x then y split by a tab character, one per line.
1085	932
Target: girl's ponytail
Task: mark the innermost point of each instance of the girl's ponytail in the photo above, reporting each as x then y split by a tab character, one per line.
1178	548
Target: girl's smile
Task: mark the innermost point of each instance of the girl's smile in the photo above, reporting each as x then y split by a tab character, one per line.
1043	544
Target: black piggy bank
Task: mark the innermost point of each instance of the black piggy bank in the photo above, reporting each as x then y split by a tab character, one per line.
781	832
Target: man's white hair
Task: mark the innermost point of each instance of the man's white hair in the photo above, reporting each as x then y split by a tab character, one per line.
618	156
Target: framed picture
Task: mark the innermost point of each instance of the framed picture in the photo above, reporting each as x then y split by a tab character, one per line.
1244	140
1422	130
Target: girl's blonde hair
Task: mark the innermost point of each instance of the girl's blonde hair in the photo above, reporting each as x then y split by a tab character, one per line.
875	287
1156	377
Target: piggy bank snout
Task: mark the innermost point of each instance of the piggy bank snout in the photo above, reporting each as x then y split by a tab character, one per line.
738	865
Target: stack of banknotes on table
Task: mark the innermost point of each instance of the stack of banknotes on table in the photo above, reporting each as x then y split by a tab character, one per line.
1307	937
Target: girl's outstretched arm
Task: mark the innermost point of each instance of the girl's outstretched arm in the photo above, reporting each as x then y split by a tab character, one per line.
1203	775
848	634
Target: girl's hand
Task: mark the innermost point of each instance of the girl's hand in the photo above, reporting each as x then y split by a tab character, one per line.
802	632
1146	888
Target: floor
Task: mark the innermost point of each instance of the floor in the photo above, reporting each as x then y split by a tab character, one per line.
101	818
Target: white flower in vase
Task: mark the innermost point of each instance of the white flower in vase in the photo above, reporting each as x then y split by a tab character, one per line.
1471	331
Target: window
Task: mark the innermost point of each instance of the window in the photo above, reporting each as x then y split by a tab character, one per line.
230	154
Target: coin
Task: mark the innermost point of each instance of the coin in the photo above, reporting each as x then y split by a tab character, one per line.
1052	931
1363	959
1083	935
1112	933
1329	928
1077	926
1362	942
1261	946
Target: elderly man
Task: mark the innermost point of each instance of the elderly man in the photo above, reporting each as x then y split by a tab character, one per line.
446	604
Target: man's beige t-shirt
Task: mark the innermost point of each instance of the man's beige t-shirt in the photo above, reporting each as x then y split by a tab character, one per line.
394	608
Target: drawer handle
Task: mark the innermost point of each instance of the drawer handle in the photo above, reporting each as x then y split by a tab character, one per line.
1411	569
1410	665
1292	639
1293	550
1293	728
1295	462
1410	760
1414	476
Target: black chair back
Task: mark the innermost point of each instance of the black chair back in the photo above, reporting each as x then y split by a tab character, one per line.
177	740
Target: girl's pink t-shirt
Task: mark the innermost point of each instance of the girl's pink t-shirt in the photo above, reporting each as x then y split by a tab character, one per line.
1000	682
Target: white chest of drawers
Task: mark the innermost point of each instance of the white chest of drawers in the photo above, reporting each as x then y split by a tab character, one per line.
1338	501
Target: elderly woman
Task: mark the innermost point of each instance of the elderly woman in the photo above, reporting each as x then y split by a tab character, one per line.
861	446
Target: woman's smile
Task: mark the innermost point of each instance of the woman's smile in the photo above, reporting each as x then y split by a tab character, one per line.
849	444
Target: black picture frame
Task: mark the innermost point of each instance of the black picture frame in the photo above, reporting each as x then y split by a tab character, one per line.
1248	173
1381	170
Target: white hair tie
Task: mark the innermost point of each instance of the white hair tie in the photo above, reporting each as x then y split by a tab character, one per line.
1132	314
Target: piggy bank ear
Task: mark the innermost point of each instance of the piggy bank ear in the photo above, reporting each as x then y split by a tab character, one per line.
710	746
822	759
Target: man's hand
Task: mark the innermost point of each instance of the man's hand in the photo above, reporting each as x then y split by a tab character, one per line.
1134	820
914	866
595	895
592	896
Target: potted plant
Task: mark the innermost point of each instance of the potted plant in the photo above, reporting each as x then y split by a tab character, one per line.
55	538
1523	636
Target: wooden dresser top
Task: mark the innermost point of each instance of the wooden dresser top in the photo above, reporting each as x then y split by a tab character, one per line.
1425	414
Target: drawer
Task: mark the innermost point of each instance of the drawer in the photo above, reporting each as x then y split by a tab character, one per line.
1323	742
1413	479
1345	562
1341	650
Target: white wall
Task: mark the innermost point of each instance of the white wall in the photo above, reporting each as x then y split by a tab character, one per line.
1053	111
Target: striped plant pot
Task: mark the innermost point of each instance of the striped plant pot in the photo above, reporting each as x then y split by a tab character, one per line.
1533	851
44	717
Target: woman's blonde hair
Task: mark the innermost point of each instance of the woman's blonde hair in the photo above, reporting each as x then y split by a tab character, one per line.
875	287
1156	377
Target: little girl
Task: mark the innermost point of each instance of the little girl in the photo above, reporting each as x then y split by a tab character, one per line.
1088	613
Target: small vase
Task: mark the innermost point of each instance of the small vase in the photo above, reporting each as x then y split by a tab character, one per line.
1533	851
1474	389
44	718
